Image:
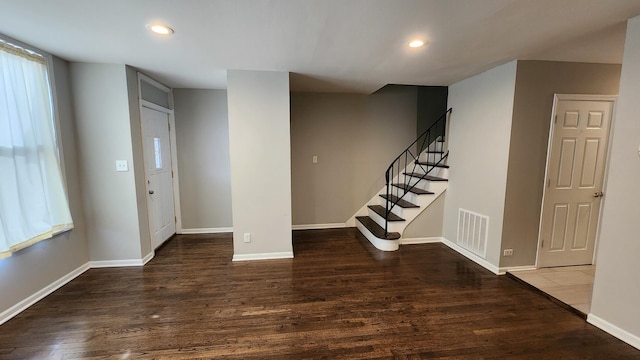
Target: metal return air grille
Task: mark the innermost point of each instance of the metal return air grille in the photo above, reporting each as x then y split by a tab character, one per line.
473	230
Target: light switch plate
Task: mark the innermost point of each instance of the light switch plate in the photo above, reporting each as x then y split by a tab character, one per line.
122	165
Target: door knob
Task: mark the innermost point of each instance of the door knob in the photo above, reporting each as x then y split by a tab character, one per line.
151	192
598	194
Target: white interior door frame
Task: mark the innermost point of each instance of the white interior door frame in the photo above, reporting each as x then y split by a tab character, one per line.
172	138
577	97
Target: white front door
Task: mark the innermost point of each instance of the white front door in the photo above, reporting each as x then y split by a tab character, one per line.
575	172
157	164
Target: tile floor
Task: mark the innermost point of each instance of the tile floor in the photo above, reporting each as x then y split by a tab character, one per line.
573	285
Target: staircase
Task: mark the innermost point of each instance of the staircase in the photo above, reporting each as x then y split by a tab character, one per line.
416	178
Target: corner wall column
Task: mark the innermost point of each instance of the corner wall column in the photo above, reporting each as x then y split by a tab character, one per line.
260	154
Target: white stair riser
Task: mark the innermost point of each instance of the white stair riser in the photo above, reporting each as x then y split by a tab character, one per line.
380	201
422	167
428	185
436	146
410	197
406	213
420	184
435	171
394	226
398	210
432	157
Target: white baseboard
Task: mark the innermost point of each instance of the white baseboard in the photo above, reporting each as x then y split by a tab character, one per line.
318	226
148	257
40	294
608	327
504	269
263	256
293	227
206	230
473	257
422	240
116	263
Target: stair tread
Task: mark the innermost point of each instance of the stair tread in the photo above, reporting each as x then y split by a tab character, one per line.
427	177
429	163
380	210
400	202
434	151
376	229
415	190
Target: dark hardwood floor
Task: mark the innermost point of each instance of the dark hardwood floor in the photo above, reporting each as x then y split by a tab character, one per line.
338	299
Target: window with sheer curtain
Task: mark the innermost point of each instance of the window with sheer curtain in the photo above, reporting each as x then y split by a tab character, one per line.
33	202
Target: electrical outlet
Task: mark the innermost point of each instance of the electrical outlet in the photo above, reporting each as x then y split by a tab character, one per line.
247	237
507	252
315	159
122	165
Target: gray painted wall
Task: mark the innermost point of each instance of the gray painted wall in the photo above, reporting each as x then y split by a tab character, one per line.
260	154
104	133
37	266
390	128
325	125
616	293
536	83
202	136
355	138
479	133
429	222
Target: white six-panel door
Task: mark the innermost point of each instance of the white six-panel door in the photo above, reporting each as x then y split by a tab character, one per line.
575	169
157	163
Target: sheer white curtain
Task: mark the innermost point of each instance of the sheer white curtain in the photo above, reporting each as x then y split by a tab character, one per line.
33	204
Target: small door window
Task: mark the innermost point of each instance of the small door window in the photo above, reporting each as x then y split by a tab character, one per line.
158	150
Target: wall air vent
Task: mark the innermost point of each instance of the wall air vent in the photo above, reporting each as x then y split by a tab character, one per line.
473	230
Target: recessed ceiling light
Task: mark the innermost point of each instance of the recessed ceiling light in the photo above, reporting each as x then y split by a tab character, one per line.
416	43
160	29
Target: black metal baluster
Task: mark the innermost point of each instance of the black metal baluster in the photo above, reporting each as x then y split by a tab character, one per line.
386	211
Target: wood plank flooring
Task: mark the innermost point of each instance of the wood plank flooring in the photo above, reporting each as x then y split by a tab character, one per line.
338	299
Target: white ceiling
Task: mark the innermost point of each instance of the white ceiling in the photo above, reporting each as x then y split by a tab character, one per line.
327	45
